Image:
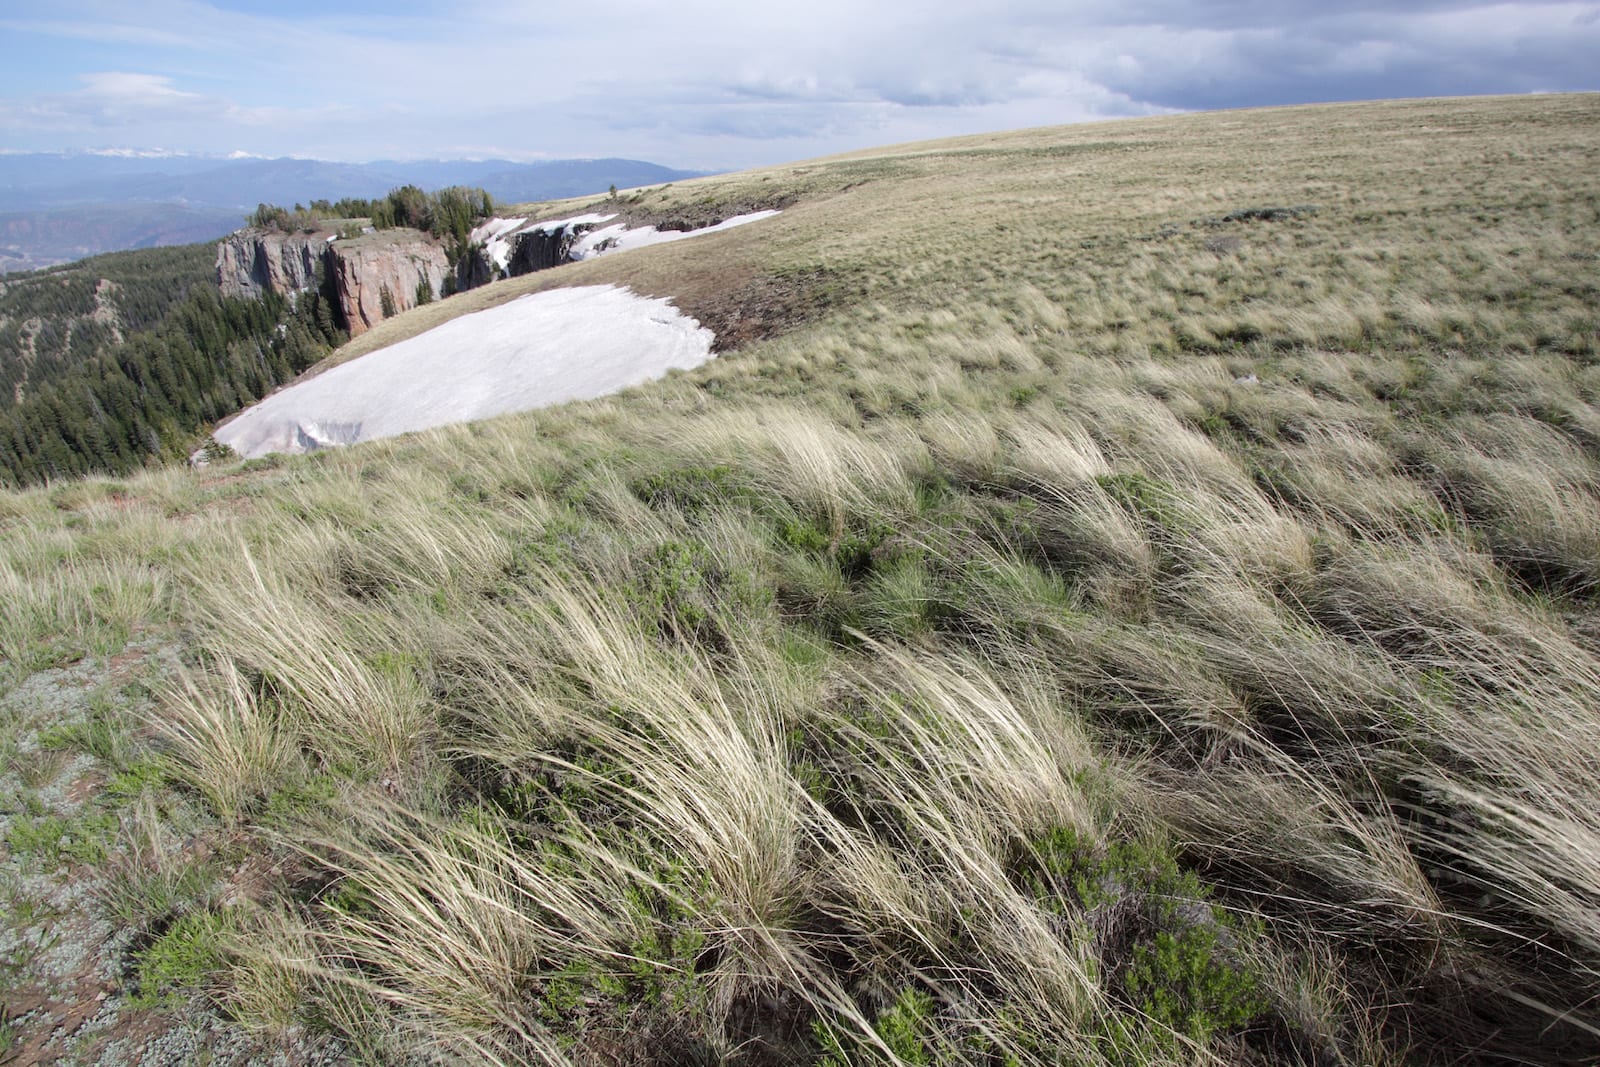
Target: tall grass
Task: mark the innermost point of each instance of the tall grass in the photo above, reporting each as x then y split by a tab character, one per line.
1145	637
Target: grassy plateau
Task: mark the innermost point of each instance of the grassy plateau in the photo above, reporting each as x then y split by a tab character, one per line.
1125	594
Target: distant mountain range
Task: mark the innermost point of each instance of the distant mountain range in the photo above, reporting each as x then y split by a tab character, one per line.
56	207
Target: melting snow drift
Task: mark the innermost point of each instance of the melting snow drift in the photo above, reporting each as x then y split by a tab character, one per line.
536	350
590	238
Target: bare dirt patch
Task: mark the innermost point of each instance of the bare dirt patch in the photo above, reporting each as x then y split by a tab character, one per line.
766	305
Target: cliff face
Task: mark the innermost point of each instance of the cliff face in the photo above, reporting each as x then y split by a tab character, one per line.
383	274
508	248
377	274
541	249
251	263
369	277
473	268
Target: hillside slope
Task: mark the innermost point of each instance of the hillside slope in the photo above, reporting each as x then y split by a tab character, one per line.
1122	594
119	361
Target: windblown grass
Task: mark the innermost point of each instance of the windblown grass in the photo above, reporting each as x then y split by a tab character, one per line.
1119	625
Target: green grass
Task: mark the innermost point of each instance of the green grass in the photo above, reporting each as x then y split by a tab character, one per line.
181	958
1120	624
9	1037
50	840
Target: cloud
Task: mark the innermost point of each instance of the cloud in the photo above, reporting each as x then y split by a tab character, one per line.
112	98
122	101
107	31
117	97
713	83
1249	54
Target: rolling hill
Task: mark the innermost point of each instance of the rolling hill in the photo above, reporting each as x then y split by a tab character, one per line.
1121	594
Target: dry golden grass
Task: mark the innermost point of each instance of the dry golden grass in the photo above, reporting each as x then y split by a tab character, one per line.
1079	626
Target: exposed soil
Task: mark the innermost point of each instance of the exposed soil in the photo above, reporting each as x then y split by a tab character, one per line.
742	304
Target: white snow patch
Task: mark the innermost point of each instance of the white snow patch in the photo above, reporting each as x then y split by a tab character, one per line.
537	350
497	235
494	235
619	238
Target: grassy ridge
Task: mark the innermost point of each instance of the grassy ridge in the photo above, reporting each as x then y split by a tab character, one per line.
1138	605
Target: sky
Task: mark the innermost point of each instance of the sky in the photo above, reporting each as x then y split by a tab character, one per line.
715	84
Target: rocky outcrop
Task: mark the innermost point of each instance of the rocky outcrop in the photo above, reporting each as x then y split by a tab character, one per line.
473	269
367	278
508	248
252	263
500	251
541	249
383	274
380	273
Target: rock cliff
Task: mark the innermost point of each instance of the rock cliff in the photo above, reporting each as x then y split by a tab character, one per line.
380	273
367	278
541	249
383	274
251	263
510	247
473	269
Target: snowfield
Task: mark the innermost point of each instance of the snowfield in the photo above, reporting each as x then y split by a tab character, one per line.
619	238
497	235
536	350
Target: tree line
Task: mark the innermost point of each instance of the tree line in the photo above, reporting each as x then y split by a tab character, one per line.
81	392
449	214
123	406
446	213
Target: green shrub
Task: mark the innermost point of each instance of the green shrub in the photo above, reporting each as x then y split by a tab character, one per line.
181	959
672	588
1154	501
906	1027
1177	972
1181	981
693	490
655	984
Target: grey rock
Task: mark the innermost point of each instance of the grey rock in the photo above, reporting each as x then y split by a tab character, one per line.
254	262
